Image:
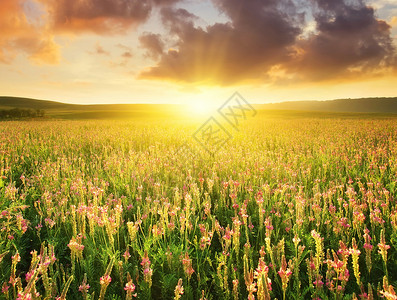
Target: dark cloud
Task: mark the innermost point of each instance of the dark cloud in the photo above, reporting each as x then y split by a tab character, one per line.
259	35
153	44
100	16
349	40
165	2
264	35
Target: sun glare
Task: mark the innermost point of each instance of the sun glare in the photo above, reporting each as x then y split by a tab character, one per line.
201	108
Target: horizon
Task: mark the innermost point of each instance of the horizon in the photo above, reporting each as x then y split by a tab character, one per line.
188	104
189	52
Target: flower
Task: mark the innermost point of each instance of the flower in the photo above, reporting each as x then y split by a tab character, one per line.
105	280
178	290
383	247
147	271
187	266
129	287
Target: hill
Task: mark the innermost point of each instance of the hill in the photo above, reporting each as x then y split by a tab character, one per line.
103	111
362	105
27	103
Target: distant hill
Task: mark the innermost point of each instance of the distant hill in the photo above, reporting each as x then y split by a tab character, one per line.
76	111
99	111
27	103
362	105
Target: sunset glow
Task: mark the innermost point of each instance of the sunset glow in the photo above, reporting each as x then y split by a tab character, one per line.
171	51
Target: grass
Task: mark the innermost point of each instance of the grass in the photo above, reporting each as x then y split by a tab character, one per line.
296	206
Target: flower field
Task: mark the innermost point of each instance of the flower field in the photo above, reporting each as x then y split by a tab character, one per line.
290	208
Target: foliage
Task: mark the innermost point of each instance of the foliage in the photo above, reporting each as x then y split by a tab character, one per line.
290	208
19	113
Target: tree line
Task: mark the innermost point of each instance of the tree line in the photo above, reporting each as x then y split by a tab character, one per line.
19	113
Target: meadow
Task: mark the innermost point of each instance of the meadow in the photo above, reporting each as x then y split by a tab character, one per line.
293	207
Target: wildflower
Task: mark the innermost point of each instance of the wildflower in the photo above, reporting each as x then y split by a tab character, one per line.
76	248
296	240
318	283
178	290
84	287
368	249
24	296
383	247
235	289
126	255
285	274
129	288
250	284
132	230
355	255
319	249
5	288
388	290
16	258
105	280
263	281
147	271
187	266
29	275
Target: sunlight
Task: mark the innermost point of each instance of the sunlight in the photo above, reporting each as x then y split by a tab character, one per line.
201	108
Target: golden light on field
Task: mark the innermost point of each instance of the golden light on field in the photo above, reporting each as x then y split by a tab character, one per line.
201	108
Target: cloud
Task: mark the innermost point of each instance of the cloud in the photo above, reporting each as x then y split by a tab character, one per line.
100	50
349	41
126	51
153	44
127	54
19	35
99	16
264	36
259	35
34	36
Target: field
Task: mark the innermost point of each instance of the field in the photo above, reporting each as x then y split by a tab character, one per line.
292	207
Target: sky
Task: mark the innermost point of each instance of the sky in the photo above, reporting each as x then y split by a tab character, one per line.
191	51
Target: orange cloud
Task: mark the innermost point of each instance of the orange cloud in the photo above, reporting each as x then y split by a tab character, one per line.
99	16
258	37
18	35
349	42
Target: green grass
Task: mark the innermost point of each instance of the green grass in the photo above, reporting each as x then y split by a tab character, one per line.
286	193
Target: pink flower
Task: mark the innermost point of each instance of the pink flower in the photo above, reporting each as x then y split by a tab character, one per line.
84	287
5	288
129	287
126	255
105	280
22	296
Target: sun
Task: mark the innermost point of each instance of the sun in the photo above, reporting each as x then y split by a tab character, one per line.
201	108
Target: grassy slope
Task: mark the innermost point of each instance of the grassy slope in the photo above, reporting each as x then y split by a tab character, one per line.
364	105
347	108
